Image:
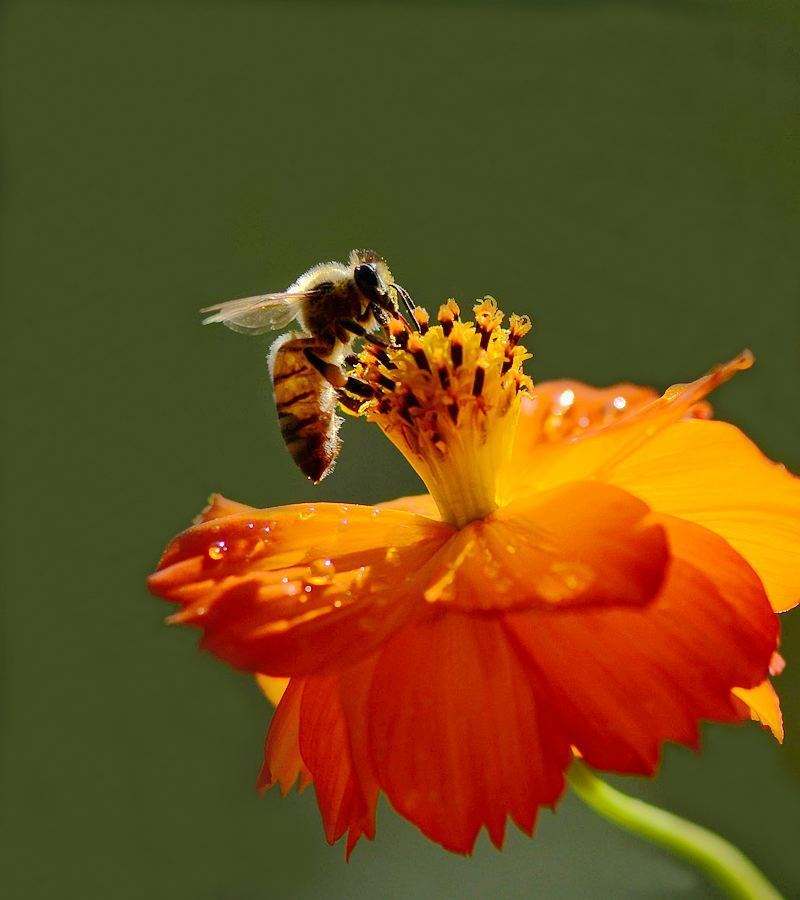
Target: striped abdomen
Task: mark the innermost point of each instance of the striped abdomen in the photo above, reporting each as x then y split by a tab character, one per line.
306	404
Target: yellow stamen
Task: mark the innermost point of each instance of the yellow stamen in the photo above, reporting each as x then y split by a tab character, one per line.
449	401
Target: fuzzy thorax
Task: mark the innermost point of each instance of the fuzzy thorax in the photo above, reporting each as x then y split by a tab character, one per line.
447	397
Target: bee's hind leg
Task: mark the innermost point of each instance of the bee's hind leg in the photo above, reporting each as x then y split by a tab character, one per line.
329	371
336	377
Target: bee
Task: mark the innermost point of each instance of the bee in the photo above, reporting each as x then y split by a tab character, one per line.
333	303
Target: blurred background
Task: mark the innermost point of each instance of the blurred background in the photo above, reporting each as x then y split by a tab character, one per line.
625	172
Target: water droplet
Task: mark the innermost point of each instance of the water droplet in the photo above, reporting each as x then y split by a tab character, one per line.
393	555
345	522
566	398
285	579
217	550
307	588
249	525
376	511
619	403
266	529
337	604
323	568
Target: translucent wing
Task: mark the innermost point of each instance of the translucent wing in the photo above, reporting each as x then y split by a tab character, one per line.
255	315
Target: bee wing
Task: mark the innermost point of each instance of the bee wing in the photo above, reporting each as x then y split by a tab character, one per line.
255	315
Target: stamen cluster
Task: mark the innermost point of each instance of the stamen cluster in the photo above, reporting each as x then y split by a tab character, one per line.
447	396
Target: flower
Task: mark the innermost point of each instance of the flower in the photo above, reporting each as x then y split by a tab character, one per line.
591	572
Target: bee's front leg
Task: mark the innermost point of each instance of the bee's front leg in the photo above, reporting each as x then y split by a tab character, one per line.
378	313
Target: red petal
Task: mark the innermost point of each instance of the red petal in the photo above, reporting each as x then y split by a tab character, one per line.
289	590
580	543
283	763
624	679
346	801
219	506
458	739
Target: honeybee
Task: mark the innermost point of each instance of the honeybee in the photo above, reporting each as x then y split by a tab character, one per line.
333	303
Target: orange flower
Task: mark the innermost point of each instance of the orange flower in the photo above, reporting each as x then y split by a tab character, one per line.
591	571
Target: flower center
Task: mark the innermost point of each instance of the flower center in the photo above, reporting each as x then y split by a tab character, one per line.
447	397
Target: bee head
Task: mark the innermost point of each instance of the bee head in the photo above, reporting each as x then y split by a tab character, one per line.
373	278
369	282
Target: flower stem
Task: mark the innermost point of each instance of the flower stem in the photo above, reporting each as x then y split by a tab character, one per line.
728	867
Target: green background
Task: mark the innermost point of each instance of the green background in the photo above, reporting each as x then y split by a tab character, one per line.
625	172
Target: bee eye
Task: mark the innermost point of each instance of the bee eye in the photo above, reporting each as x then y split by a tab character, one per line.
367	278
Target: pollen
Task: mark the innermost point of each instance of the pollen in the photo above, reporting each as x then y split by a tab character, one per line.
448	395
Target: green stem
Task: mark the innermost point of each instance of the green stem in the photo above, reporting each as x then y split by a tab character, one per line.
730	869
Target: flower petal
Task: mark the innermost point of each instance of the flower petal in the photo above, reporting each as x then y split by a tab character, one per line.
457	737
283	764
558	410
624	679
219	506
346	801
763	706
564	409
710	473
580	543
289	590
594	452
420	505
273	688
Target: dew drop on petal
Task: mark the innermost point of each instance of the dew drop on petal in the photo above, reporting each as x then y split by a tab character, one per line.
566	398
323	567
619	403
217	550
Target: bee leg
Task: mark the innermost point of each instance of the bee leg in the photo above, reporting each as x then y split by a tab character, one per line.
358	387
354	404
330	372
378	346
352	326
335	376
378	313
